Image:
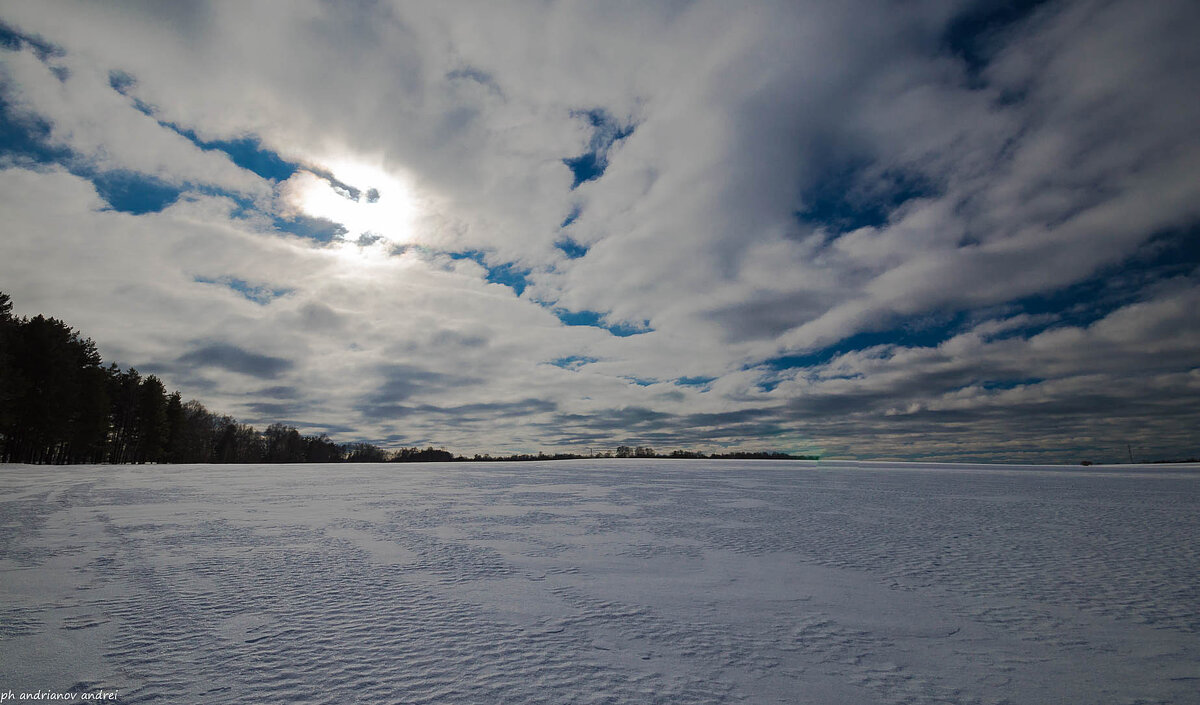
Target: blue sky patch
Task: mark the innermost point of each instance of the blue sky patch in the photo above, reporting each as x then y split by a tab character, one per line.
973	36
347	191
851	197
597	320
260	294
918	331
10	39
1172	253
573	362
572	249
473	255
507	274
606	131
319	229
586	167
641	381
123	83
132	192
13	40
1002	384
695	381
26	137
248	153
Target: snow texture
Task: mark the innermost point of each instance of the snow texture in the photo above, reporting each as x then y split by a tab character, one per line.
603	582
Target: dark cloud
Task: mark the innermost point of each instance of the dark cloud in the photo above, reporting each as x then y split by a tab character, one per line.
464	413
274	410
235	359
318	316
402	381
277	392
455	338
759	427
629	419
726	418
398	383
524	407
765	318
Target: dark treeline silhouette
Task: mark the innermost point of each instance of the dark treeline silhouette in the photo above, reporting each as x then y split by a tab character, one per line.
518	457
60	404
429	455
644	452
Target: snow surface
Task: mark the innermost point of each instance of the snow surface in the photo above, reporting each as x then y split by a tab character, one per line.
622	581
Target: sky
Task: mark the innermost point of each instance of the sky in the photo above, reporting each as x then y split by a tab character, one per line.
935	229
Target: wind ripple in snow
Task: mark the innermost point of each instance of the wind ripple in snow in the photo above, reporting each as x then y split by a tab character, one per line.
602	582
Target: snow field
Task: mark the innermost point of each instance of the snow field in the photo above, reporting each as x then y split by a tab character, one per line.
602	582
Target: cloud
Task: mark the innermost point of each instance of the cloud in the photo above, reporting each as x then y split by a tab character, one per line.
81	112
232	358
869	229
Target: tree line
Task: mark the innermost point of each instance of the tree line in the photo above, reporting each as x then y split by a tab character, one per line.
59	404
640	452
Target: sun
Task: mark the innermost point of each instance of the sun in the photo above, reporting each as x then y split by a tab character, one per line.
376	206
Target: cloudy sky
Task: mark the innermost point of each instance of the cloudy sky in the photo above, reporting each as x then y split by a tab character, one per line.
921	229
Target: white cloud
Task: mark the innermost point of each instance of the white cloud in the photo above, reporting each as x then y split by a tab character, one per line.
86	115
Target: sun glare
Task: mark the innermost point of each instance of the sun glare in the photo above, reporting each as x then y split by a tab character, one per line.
375	207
